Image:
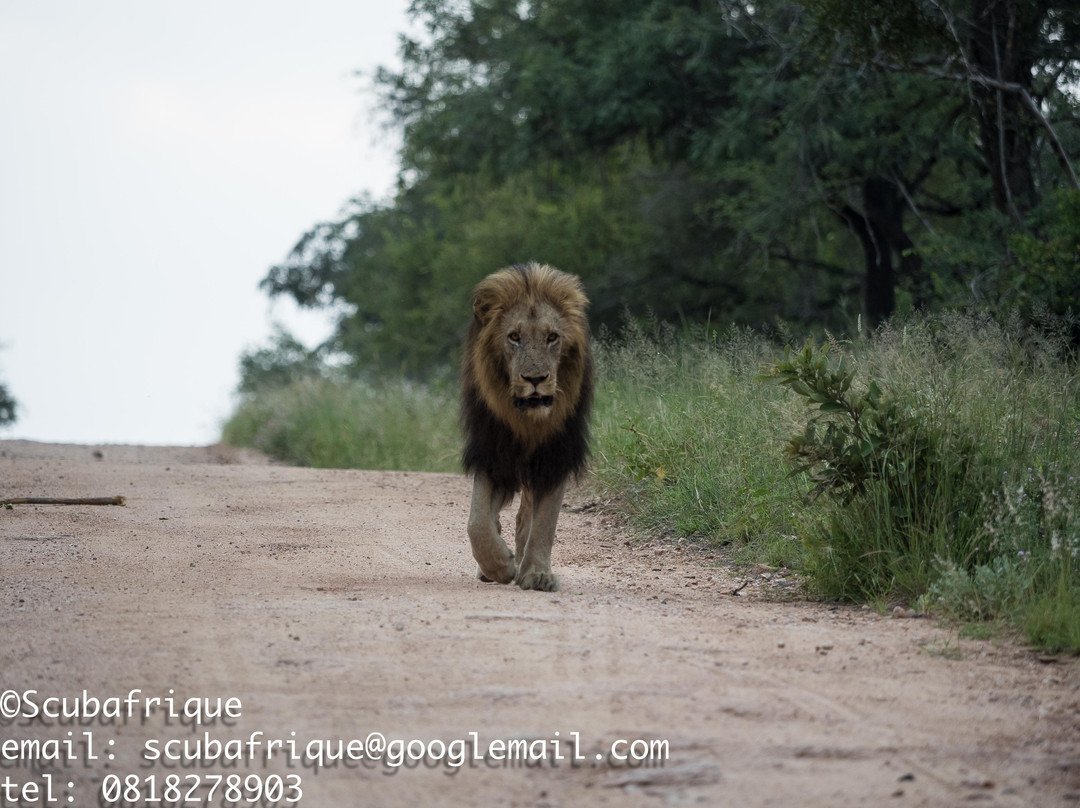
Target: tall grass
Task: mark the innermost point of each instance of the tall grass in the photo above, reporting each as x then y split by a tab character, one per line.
347	424
691	445
941	457
959	450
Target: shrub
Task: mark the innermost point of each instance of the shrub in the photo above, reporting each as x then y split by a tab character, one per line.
899	477
944	455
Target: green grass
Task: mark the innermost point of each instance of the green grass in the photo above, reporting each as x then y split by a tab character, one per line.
691	446
346	424
944	453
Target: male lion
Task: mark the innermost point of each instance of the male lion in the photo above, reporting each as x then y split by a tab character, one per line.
526	394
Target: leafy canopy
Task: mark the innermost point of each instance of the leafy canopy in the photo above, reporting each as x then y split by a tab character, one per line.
725	161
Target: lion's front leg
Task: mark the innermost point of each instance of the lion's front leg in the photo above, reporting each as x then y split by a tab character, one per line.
495	560
523	523
536	524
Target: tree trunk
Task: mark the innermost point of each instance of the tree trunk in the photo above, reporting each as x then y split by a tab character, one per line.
880	230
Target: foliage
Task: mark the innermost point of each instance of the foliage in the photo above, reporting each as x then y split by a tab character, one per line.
402	274
7	407
944	451
700	162
1031	576
285	361
985	593
1050	265
1011	58
845	459
900	472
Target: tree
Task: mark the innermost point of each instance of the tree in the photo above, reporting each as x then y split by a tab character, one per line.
401	274
7	407
1012	63
726	161
284	362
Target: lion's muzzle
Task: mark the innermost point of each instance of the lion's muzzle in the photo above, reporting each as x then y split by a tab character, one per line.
531	402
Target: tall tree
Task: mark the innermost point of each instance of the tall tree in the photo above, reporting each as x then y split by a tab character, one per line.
731	160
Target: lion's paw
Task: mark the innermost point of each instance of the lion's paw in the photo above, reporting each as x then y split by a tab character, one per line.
540	581
503	575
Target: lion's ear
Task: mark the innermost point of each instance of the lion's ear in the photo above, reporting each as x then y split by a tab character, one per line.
485	303
481	308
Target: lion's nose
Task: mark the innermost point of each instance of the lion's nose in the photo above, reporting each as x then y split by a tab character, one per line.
534	380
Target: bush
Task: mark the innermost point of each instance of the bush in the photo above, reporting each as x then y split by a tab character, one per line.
898	473
8	407
945	455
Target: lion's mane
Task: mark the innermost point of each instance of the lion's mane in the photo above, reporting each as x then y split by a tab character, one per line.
513	450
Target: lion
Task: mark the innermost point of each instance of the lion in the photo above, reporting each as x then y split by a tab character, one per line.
527	389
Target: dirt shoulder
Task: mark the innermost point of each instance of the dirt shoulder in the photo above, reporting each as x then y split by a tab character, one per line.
335	604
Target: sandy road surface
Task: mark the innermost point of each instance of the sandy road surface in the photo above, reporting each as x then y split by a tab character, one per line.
334	604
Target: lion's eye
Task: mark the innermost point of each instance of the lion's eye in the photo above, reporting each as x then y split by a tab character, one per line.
552	337
515	337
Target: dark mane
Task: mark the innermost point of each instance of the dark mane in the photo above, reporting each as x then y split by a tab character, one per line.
492	447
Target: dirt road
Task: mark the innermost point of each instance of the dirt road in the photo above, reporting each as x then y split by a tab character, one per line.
331	605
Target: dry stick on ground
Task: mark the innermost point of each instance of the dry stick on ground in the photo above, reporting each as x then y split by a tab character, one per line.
72	501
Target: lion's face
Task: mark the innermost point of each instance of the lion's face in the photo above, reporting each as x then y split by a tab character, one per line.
533	344
527	355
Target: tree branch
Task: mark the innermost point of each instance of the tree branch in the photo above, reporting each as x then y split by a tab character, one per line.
976	77
998	106
795	261
899	182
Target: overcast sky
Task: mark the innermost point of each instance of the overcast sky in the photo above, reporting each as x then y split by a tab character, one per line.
156	158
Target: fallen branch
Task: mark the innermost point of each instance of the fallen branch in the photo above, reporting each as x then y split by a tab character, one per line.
55	501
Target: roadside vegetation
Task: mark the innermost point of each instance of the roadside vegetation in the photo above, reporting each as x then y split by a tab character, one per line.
934	463
301	406
689	445
338	423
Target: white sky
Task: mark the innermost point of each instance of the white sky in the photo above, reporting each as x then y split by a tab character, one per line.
156	158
